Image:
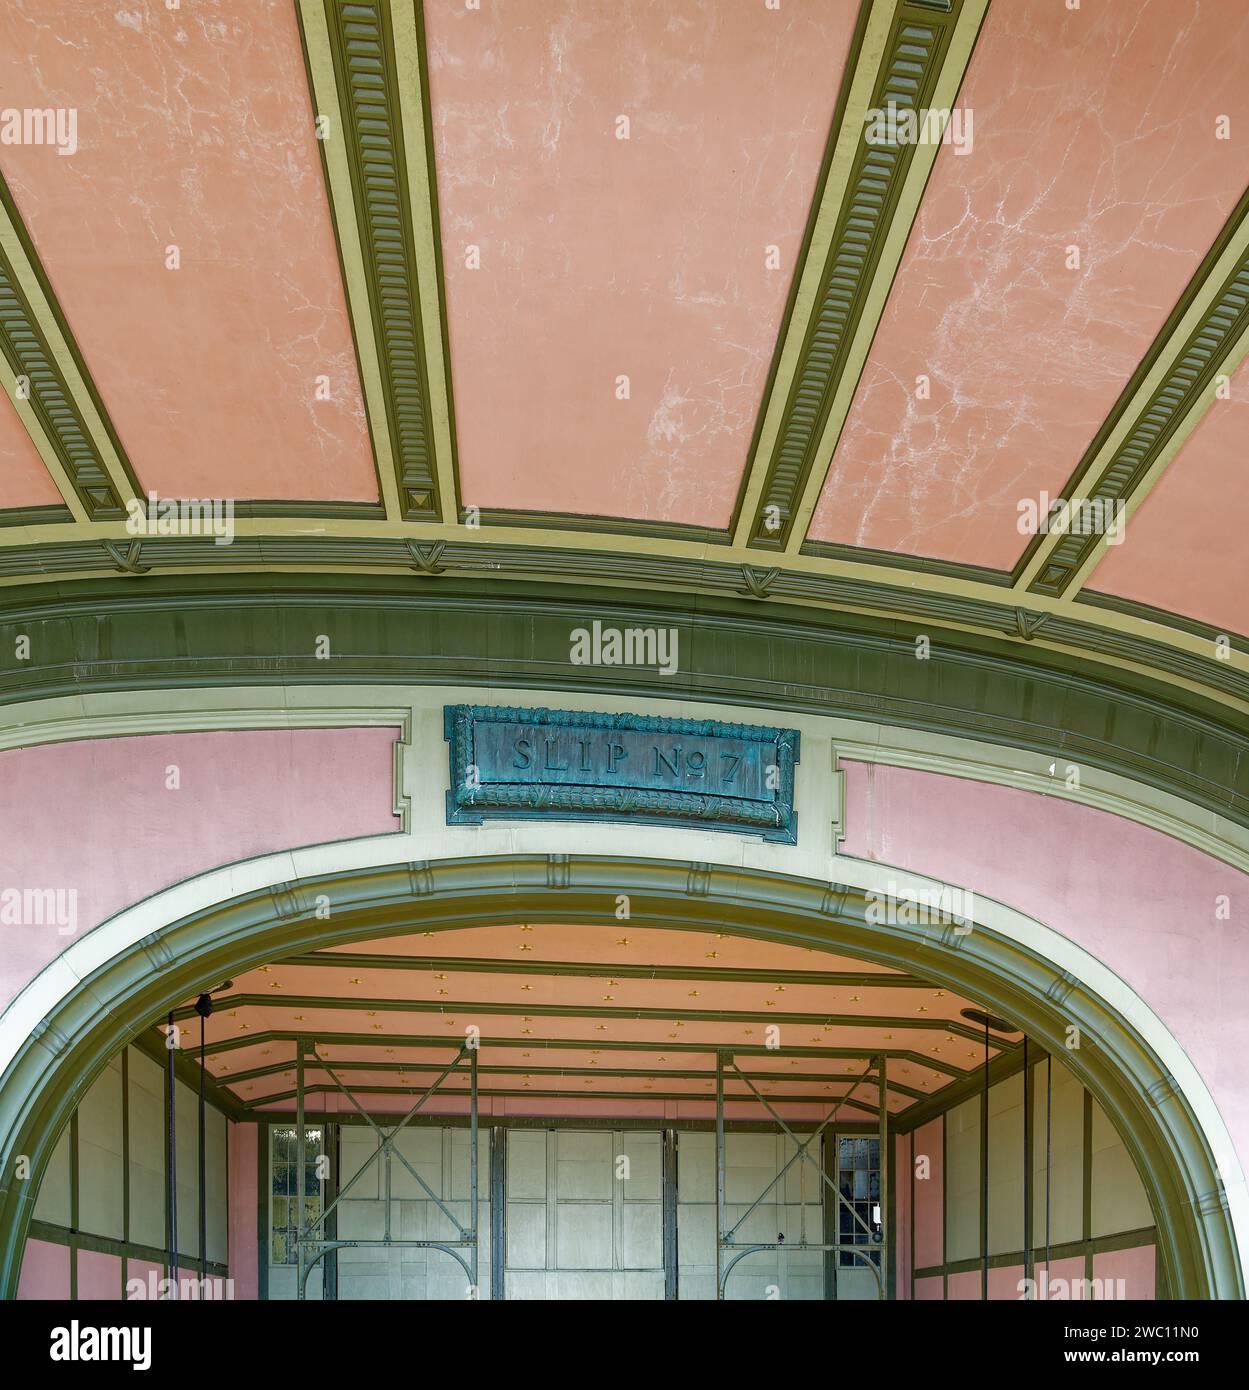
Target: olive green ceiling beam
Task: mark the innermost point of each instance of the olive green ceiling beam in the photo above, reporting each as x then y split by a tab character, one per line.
912	54
48	382
367	76
264	1102
621	1014
689	1046
485	965
435	1069
1204	339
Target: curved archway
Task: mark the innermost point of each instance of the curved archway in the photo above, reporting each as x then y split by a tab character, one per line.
1127	1060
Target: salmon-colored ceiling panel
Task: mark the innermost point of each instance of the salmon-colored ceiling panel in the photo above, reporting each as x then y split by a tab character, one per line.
603	258
1093	128
194	130
24	481
1183	549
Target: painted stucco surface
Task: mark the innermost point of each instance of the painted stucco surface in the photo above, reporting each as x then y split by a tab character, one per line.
244	1255
97	817
99	1275
24	481
1190	516
929	1205
1144	904
194	131
601	257
1094	128
45	1271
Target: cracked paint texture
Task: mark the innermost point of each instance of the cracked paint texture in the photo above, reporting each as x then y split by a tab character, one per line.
602	257
195	130
1093	128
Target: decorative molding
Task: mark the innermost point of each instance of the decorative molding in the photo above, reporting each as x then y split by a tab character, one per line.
1189	662
865	211
384	231
56	399
1167	394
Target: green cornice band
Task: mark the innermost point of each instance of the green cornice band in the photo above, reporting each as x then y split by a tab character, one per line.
367	78
662	572
1226	319
104	1011
208	630
914	53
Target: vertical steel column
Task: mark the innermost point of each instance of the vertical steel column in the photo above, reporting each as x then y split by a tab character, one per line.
671	1287
300	1160
498	1211
1027	1171
171	1156
719	1175
472	1169
984	1172
884	1180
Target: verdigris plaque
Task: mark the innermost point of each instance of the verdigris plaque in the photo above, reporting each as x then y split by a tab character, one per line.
551	764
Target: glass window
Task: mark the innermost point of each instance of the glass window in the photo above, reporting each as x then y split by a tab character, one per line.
283	1168
858	1181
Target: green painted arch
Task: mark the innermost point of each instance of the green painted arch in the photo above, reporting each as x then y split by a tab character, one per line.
96	1016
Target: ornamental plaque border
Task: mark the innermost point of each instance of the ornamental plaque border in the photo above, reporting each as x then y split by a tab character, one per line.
774	820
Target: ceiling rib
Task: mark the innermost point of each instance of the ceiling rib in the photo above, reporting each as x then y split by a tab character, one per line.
48	384
914	55
1205	337
366	74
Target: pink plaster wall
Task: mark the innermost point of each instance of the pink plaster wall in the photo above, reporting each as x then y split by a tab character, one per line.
99	1275
1137	1268
244	1255
45	1271
24	481
930	1290
1004	1283
929	1201
95	816
1140	901
963	1288
1071	1270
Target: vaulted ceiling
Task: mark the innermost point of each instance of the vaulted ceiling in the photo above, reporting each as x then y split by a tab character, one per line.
570	289
589	1019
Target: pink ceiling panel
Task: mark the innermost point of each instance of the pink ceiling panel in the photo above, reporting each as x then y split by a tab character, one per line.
1094	128
1184	547
603	258
193	129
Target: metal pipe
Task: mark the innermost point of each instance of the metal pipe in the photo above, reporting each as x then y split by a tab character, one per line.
472	1167
1049	1095
884	1180
171	1156
720	1216
1027	1172
300	1158
984	1175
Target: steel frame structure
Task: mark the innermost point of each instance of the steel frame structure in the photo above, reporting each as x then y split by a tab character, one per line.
312	1244
725	1242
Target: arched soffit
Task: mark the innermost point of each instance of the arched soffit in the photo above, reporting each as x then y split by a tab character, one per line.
57	1036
